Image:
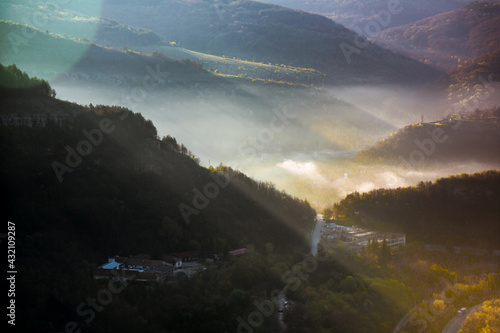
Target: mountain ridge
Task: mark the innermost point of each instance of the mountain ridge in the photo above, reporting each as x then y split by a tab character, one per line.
447	39
255	31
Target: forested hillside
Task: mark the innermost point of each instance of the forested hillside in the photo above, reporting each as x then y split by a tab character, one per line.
14	82
59	19
85	183
260	32
448	39
470	136
51	55
358	13
475	81
461	210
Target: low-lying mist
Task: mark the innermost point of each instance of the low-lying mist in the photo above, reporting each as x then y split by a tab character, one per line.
302	140
324	183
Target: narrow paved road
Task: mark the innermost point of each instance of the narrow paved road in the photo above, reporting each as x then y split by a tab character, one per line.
455	324
281	317
316	234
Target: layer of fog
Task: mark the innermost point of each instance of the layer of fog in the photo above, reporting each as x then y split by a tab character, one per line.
306	153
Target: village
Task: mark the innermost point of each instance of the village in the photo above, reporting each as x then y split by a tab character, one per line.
177	266
355	239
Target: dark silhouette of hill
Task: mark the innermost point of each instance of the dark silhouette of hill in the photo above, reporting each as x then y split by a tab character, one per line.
84	183
14	82
460	210
129	179
473	136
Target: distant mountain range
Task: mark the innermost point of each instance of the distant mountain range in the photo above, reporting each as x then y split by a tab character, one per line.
49	55
251	30
64	21
448	39
358	13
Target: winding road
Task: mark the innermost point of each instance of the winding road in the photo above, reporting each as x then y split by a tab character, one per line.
455	324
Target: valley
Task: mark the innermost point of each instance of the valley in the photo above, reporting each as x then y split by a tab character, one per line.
250	166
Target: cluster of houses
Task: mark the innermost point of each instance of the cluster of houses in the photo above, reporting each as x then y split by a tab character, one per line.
143	268
139	268
355	239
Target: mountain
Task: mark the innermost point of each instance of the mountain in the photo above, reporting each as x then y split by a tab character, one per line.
110	33
84	183
176	92
132	148
447	39
358	13
454	211
470	137
474	82
50	55
64	21
266	33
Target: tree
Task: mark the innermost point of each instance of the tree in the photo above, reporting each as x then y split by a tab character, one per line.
14	82
171	142
349	285
384	254
486	320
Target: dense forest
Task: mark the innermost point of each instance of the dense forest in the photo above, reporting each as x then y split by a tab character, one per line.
14	82
474	78
91	182
447	39
77	197
461	210
287	95
86	182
